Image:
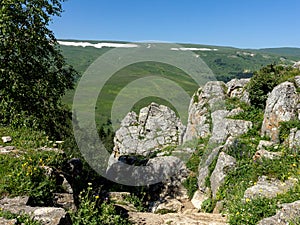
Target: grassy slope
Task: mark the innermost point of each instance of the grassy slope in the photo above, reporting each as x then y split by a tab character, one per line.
226	63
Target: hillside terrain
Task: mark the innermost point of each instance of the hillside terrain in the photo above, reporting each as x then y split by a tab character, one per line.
225	62
235	162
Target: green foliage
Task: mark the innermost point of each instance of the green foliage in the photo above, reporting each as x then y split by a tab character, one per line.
191	184
285	129
136	201
251	212
264	80
208	205
33	73
92	211
27	175
165	211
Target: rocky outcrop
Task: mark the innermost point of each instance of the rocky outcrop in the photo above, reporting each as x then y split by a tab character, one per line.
155	127
280	106
293	140
236	89
224	127
297	65
203	101
269	188
288	214
224	165
46	215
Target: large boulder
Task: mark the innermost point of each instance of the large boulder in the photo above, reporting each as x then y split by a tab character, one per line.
269	188
202	102
155	127
224	165
288	214
224	127
46	215
281	106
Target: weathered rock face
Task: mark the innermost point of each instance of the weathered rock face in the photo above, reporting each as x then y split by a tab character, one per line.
171	206
280	106
46	215
224	128
224	164
287	214
155	127
294	140
297	65
236	89
269	188
199	110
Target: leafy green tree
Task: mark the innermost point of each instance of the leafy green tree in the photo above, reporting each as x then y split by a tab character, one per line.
33	73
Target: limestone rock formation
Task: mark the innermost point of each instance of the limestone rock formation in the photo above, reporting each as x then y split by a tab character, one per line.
293	141
288	214
46	215
280	106
224	127
224	164
155	127
236	89
202	103
269	188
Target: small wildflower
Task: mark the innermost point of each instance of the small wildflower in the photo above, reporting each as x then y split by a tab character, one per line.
90	184
294	165
237	213
255	183
1	209
248	200
97	196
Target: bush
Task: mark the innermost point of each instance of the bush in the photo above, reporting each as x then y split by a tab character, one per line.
264	81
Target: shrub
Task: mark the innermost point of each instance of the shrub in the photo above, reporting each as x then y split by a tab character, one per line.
264	80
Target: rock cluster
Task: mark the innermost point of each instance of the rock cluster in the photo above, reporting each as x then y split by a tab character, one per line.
156	126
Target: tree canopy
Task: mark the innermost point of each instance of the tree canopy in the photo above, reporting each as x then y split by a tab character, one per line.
33	73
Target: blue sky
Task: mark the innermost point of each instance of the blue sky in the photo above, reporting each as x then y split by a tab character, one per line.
238	23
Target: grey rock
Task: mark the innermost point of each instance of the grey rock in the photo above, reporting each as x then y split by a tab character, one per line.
262	145
266	154
224	127
201	104
8	150
294	140
287	214
198	198
269	188
297	81
225	164
65	201
297	65
204	168
118	196
156	126
280	106
6	139
170	205
236	89
7	222
46	215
